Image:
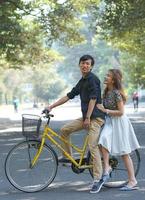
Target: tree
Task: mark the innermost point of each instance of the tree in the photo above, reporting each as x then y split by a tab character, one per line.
50	20
122	22
41	84
134	71
10	28
105	55
11	84
47	85
122	19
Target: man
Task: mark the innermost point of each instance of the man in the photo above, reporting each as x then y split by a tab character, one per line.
88	87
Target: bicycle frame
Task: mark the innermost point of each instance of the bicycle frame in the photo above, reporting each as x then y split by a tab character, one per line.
50	134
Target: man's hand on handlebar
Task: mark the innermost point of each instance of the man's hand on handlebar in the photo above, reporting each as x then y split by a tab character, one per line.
47	114
45	111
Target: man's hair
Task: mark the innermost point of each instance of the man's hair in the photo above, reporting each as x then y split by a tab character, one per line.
87	57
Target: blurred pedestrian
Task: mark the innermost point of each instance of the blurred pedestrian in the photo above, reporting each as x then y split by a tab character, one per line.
16	104
135	100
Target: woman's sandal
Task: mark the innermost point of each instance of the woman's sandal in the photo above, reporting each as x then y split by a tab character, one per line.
129	188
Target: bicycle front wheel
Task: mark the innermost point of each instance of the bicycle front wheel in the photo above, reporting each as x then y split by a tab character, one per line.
19	171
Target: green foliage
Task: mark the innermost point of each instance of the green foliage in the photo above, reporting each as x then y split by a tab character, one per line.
134	70
10	28
41	83
28	28
10	84
105	57
47	84
122	22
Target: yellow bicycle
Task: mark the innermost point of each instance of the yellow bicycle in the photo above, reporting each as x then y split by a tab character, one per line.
31	165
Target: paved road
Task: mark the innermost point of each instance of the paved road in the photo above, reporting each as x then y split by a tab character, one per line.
67	185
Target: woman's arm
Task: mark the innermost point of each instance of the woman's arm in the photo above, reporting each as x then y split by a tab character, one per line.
118	112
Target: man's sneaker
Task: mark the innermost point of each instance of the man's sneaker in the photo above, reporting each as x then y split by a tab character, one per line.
97	186
63	160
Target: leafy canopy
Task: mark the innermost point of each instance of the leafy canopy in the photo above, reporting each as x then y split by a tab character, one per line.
122	22
37	23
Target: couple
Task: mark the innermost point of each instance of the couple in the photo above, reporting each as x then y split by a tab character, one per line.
94	114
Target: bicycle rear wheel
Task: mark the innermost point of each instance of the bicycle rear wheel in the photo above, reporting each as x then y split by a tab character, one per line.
18	166
119	173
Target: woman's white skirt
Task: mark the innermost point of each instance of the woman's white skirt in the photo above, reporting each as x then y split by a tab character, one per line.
118	136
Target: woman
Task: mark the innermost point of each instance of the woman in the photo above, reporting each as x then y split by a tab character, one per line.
117	136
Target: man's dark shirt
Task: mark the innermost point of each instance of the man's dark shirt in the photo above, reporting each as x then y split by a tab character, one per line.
88	88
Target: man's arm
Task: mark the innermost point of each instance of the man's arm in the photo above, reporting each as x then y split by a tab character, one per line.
91	106
58	103
70	95
95	89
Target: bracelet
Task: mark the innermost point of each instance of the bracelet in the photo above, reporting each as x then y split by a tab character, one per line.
87	117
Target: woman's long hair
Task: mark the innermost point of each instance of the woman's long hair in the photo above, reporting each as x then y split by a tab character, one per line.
117	78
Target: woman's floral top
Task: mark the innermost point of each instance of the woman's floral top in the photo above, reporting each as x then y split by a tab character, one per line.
111	99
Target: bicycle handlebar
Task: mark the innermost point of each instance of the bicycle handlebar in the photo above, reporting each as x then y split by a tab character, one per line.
47	113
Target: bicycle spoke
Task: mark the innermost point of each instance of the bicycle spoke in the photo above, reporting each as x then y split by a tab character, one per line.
25	178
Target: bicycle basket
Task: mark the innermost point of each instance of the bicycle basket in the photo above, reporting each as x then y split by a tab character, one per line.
31	125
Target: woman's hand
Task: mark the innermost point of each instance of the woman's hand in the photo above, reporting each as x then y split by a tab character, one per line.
101	107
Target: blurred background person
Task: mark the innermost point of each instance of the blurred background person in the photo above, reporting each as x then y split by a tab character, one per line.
16	104
135	100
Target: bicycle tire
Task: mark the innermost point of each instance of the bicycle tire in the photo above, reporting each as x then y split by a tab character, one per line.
119	173
21	175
